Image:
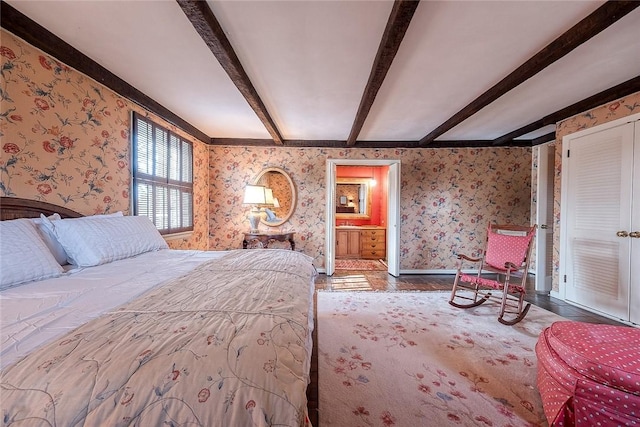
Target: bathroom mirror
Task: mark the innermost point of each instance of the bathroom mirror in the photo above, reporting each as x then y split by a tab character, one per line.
353	198
283	196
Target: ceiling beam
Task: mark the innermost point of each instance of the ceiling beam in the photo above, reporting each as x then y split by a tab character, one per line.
544	139
208	27
603	17
342	144
397	24
611	94
38	36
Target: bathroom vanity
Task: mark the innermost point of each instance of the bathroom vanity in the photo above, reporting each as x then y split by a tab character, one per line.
364	241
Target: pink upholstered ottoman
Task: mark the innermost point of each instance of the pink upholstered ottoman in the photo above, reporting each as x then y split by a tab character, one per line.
589	374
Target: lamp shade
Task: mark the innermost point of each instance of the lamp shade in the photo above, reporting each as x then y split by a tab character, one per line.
254	195
268	193
276	203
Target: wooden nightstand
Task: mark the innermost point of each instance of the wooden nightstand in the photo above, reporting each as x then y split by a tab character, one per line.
266	238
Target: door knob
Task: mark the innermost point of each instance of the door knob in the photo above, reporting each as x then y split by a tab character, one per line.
544	226
635	234
622	234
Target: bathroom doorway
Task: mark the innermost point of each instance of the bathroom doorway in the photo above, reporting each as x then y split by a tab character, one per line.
353	216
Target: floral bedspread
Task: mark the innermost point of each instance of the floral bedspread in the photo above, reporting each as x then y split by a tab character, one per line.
227	345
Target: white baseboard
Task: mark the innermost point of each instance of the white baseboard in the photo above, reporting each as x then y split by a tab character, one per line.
322	270
425	272
433	271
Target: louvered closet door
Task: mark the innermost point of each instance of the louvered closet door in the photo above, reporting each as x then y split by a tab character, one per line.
600	172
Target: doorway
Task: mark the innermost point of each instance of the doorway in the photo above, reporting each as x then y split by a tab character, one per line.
393	211
544	218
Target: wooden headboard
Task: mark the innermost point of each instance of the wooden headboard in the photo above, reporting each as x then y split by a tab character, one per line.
13	208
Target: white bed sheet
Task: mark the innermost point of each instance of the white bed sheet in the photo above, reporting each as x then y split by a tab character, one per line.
38	312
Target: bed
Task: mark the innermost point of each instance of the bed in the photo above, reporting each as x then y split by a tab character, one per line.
161	337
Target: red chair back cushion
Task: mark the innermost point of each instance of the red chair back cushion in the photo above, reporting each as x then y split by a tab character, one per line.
503	248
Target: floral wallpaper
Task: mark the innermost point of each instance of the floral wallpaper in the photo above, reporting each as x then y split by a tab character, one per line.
447	196
65	139
605	113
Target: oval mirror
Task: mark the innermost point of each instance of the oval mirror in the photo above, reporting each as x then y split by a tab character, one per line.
281	197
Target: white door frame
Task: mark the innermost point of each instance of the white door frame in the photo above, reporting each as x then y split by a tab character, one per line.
544	202
393	217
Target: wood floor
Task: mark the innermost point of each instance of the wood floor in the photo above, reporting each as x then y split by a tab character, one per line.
344	280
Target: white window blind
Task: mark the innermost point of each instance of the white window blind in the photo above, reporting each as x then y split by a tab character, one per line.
162	176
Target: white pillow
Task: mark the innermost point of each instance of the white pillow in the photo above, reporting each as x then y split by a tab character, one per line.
46	232
95	240
23	254
119	213
45	228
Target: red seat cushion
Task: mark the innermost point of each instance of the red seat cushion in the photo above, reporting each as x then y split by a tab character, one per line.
493	284
606	354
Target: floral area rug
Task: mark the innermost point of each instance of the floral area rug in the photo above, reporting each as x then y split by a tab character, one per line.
360	264
411	359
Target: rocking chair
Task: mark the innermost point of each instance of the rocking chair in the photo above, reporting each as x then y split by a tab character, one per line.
506	255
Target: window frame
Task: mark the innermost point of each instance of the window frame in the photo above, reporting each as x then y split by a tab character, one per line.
172	221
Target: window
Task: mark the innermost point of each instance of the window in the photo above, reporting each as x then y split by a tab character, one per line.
162	176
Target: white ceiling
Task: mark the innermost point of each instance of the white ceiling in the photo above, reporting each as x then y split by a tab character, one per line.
309	61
